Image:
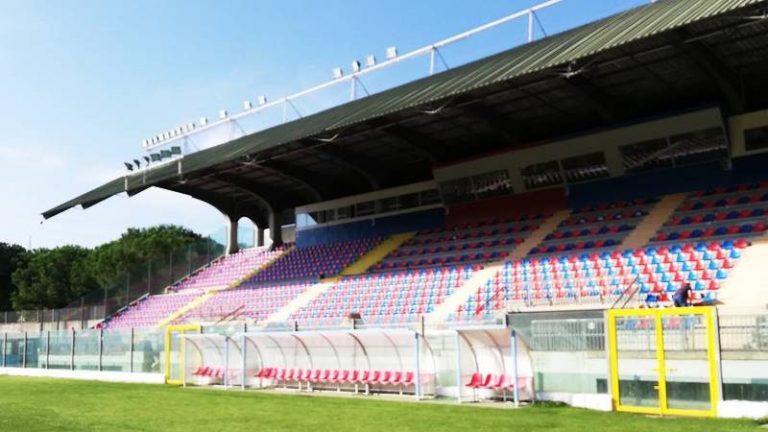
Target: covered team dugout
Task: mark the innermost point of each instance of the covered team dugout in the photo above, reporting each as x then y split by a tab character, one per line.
484	362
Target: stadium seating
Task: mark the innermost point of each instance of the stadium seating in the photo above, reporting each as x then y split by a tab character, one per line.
594	227
229	269
725	212
577	262
149	311
314	261
469	244
388	298
378	380
254	303
656	272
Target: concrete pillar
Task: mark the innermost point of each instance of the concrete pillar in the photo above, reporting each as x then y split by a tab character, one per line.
260	236
275	229
232	246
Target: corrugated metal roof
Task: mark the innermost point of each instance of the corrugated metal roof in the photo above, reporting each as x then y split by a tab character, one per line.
551	52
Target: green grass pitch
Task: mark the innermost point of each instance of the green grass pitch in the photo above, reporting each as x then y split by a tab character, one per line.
38	404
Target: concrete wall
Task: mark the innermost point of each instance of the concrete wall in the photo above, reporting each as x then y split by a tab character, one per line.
123	377
36	327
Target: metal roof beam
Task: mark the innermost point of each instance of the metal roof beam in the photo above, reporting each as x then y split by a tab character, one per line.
592	95
726	80
306	179
419	142
506	127
225	205
252	190
365	167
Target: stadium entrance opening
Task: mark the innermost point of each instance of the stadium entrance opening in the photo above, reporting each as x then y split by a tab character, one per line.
174	352
664	361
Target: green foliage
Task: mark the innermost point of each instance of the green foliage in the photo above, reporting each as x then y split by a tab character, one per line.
11	257
135	246
53	278
50	278
34	404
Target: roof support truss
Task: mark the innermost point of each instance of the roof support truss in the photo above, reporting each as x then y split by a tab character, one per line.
726	80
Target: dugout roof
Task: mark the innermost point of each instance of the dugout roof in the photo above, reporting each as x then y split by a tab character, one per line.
666	56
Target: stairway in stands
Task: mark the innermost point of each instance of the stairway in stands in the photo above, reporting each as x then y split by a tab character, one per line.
521	250
190	293
365	262
747	285
360	266
646	230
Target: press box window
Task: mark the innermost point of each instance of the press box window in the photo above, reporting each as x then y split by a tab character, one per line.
756	138
645	155
492	184
542	175
698	146
585	167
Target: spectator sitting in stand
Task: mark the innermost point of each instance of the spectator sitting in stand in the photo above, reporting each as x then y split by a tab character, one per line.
682	296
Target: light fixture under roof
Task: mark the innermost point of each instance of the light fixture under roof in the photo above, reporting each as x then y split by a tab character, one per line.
391	52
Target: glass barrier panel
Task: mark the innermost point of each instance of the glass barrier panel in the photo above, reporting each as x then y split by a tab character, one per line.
148	351
637	361
116	351
686	362
35	349
744	353
87	350
60	350
14	350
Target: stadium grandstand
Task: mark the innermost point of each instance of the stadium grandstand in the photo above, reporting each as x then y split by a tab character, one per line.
515	228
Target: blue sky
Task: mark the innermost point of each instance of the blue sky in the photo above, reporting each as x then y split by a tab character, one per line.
82	82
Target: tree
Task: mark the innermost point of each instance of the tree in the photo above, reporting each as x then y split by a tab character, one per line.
136	246
51	278
11	257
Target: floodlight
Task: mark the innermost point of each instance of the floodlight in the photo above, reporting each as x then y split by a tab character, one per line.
165	154
247	105
146	158
145	142
261	100
138	164
355	66
128	166
391	52
190	126
337	73
370	60
175	150
223	114
203	121
155	157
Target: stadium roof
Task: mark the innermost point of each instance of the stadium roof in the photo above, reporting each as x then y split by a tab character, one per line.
669	55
